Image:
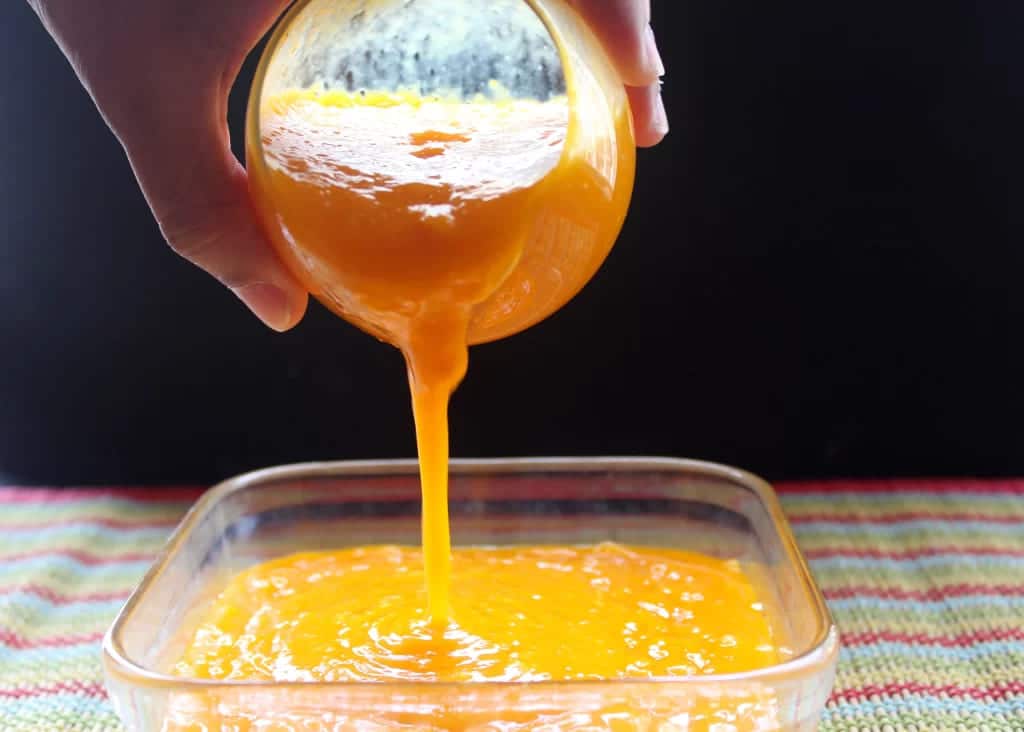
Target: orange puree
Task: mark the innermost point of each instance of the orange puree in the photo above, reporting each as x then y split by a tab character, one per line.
435	223
522	613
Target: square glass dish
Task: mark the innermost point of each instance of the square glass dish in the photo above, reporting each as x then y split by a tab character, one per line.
656	502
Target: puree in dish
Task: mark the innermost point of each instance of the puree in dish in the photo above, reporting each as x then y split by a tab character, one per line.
527	613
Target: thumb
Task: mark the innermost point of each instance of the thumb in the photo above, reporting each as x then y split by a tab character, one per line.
199	194
624	29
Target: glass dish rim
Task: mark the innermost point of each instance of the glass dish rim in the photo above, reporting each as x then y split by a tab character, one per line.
823	649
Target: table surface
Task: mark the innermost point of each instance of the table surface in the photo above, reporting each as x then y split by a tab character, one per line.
925	579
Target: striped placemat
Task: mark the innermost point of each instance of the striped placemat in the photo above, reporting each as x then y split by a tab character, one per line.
925	578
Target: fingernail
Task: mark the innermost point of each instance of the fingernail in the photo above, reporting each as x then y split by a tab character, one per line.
651	54
269	303
659	120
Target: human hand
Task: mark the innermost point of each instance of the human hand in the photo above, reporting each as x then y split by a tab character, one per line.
160	73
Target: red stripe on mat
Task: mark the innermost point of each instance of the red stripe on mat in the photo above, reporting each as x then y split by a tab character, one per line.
910	554
997	691
81	688
58	598
795	517
170	494
18	642
932	594
80	556
941	485
963	640
106	523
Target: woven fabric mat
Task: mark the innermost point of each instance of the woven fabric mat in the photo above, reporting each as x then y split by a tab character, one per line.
926	581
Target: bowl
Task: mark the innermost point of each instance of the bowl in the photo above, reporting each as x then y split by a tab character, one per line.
660	502
538	53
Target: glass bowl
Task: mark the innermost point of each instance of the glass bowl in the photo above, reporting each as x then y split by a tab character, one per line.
539	51
642	501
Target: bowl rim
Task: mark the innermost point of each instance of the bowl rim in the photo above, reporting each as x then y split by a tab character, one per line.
821	654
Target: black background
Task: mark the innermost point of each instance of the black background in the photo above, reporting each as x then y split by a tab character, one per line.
820	276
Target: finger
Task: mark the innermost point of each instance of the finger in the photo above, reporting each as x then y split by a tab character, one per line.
624	29
238	25
197	189
199	195
650	122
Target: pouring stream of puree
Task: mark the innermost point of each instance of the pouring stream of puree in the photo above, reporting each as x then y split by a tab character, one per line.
432	223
